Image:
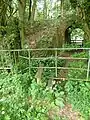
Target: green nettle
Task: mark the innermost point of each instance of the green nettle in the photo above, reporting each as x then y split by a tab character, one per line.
22	99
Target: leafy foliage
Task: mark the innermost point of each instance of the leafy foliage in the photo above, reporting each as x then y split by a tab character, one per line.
22	22
22	98
78	93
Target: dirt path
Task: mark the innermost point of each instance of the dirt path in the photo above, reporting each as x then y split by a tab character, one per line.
63	72
67	111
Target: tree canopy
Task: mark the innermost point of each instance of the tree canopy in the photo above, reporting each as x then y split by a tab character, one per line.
22	17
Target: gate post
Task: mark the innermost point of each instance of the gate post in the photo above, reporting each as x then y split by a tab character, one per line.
88	66
56	62
29	62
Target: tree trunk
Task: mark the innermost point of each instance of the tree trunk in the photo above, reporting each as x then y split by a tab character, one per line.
22	5
3	12
3	22
30	7
33	11
45	9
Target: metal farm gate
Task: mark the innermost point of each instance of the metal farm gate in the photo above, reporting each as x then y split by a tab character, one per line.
8	59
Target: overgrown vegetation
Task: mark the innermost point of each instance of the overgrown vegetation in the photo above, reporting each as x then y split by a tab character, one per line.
28	93
78	91
22	98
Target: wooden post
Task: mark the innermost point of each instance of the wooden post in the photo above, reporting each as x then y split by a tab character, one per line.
39	72
14	57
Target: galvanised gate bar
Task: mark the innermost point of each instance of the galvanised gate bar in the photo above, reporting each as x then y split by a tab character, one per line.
8	59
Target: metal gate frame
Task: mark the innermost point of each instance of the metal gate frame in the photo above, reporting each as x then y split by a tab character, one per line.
29	58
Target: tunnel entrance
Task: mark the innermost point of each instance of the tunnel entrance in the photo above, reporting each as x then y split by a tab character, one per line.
74	36
77	36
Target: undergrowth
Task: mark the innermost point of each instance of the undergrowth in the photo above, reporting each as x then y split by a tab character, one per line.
21	98
78	92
